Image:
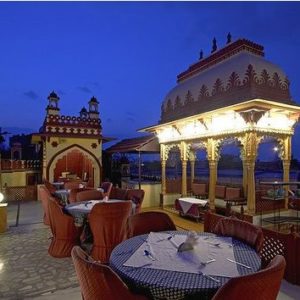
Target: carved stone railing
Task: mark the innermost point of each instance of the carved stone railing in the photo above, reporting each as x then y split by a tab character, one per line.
8	164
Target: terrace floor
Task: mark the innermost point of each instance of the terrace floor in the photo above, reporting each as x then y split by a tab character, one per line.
28	272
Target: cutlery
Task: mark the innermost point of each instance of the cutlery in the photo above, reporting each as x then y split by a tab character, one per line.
208	261
238	263
211	278
148	254
172	242
215	244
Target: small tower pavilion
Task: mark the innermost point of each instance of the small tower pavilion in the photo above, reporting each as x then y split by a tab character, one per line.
72	145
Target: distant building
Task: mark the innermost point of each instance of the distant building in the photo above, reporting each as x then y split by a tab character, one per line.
71	144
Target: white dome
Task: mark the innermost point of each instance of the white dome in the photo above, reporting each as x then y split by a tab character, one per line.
234	74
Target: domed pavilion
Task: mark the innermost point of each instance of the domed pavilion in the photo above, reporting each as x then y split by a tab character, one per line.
236	94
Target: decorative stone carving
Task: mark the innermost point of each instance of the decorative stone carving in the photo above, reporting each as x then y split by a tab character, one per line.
265	85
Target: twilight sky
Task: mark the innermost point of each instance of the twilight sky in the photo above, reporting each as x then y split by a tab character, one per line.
126	54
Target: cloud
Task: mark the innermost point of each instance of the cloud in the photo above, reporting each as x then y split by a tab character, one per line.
31	94
84	89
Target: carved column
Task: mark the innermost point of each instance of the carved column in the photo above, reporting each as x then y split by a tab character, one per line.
251	141
163	158
184	158
192	163
212	156
285	155
245	176
251	199
184	178
44	160
212	183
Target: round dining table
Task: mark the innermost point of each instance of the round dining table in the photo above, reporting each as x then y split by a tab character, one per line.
158	270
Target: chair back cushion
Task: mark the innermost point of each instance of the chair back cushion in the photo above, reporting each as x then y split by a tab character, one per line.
264	284
51	188
65	234
98	281
106	186
118	193
241	230
72	184
137	197
89	195
73	194
220	191
148	221
232	193
108	223
199	189
45	195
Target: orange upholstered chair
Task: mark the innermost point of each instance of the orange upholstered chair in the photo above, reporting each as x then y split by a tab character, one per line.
241	230
51	188
108	223
45	195
65	234
137	197
98	281
106	186
118	193
72	184
73	194
263	285
199	189
148	221
89	195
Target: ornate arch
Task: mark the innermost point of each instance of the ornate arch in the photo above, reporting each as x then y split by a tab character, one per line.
95	161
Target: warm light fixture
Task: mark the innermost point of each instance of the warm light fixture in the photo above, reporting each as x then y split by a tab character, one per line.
275	149
1	197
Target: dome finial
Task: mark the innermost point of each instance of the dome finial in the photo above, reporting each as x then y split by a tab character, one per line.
201	55
228	38
214	46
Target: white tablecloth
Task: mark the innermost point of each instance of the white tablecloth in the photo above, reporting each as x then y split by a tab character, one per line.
186	203
167	258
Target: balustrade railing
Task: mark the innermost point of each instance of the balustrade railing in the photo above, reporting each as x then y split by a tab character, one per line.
9	164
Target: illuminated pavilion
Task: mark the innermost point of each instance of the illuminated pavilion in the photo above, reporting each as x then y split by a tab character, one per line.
233	94
71	144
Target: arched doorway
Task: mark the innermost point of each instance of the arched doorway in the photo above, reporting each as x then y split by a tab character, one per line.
78	162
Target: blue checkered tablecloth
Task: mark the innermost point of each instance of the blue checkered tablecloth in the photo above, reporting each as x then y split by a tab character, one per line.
164	284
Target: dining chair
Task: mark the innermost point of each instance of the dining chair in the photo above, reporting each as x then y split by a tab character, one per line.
65	234
89	195
137	197
99	281
51	188
108	223
262	285
45	195
241	230
73	194
72	184
148	221
118	193
106	186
